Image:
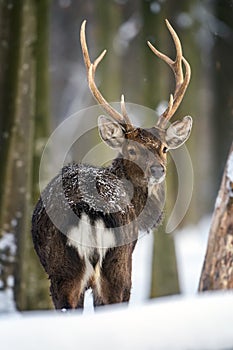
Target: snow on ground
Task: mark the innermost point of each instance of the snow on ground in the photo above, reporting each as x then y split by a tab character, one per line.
177	323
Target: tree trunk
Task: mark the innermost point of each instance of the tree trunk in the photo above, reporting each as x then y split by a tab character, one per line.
34	286
164	276
19	81
217	272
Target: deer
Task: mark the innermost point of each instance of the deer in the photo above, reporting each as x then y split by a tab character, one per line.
100	211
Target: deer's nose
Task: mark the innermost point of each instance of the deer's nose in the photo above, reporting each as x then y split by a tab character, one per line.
157	171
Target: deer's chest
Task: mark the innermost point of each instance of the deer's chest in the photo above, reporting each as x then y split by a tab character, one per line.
91	240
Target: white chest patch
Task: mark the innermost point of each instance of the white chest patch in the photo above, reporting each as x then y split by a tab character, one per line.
88	239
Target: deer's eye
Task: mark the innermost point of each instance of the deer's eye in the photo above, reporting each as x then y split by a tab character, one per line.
132	152
165	149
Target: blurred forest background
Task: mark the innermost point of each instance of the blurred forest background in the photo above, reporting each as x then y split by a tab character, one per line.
42	81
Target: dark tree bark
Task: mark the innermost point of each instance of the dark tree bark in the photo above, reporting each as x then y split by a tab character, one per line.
21	82
217	272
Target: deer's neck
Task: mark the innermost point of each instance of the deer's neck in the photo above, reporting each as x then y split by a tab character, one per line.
129	171
148	203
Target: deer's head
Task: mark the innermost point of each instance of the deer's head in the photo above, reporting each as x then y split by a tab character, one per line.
144	149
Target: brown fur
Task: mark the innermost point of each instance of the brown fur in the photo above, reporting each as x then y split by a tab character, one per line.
110	282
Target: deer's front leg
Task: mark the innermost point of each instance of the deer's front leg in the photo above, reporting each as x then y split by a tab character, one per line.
115	279
66	294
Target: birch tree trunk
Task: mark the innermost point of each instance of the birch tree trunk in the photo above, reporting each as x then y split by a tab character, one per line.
217	272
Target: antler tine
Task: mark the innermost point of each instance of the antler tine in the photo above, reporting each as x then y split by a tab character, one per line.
181	81
91	69
83	42
123	108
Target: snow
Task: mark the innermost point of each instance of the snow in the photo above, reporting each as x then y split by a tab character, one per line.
7	242
7	304
200	322
230	167
230	173
141	274
218	202
8	251
191	244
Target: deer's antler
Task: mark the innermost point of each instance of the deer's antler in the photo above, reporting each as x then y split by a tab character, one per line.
182	81
91	69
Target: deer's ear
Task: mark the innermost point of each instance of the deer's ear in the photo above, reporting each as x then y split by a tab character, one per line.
178	132
111	132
